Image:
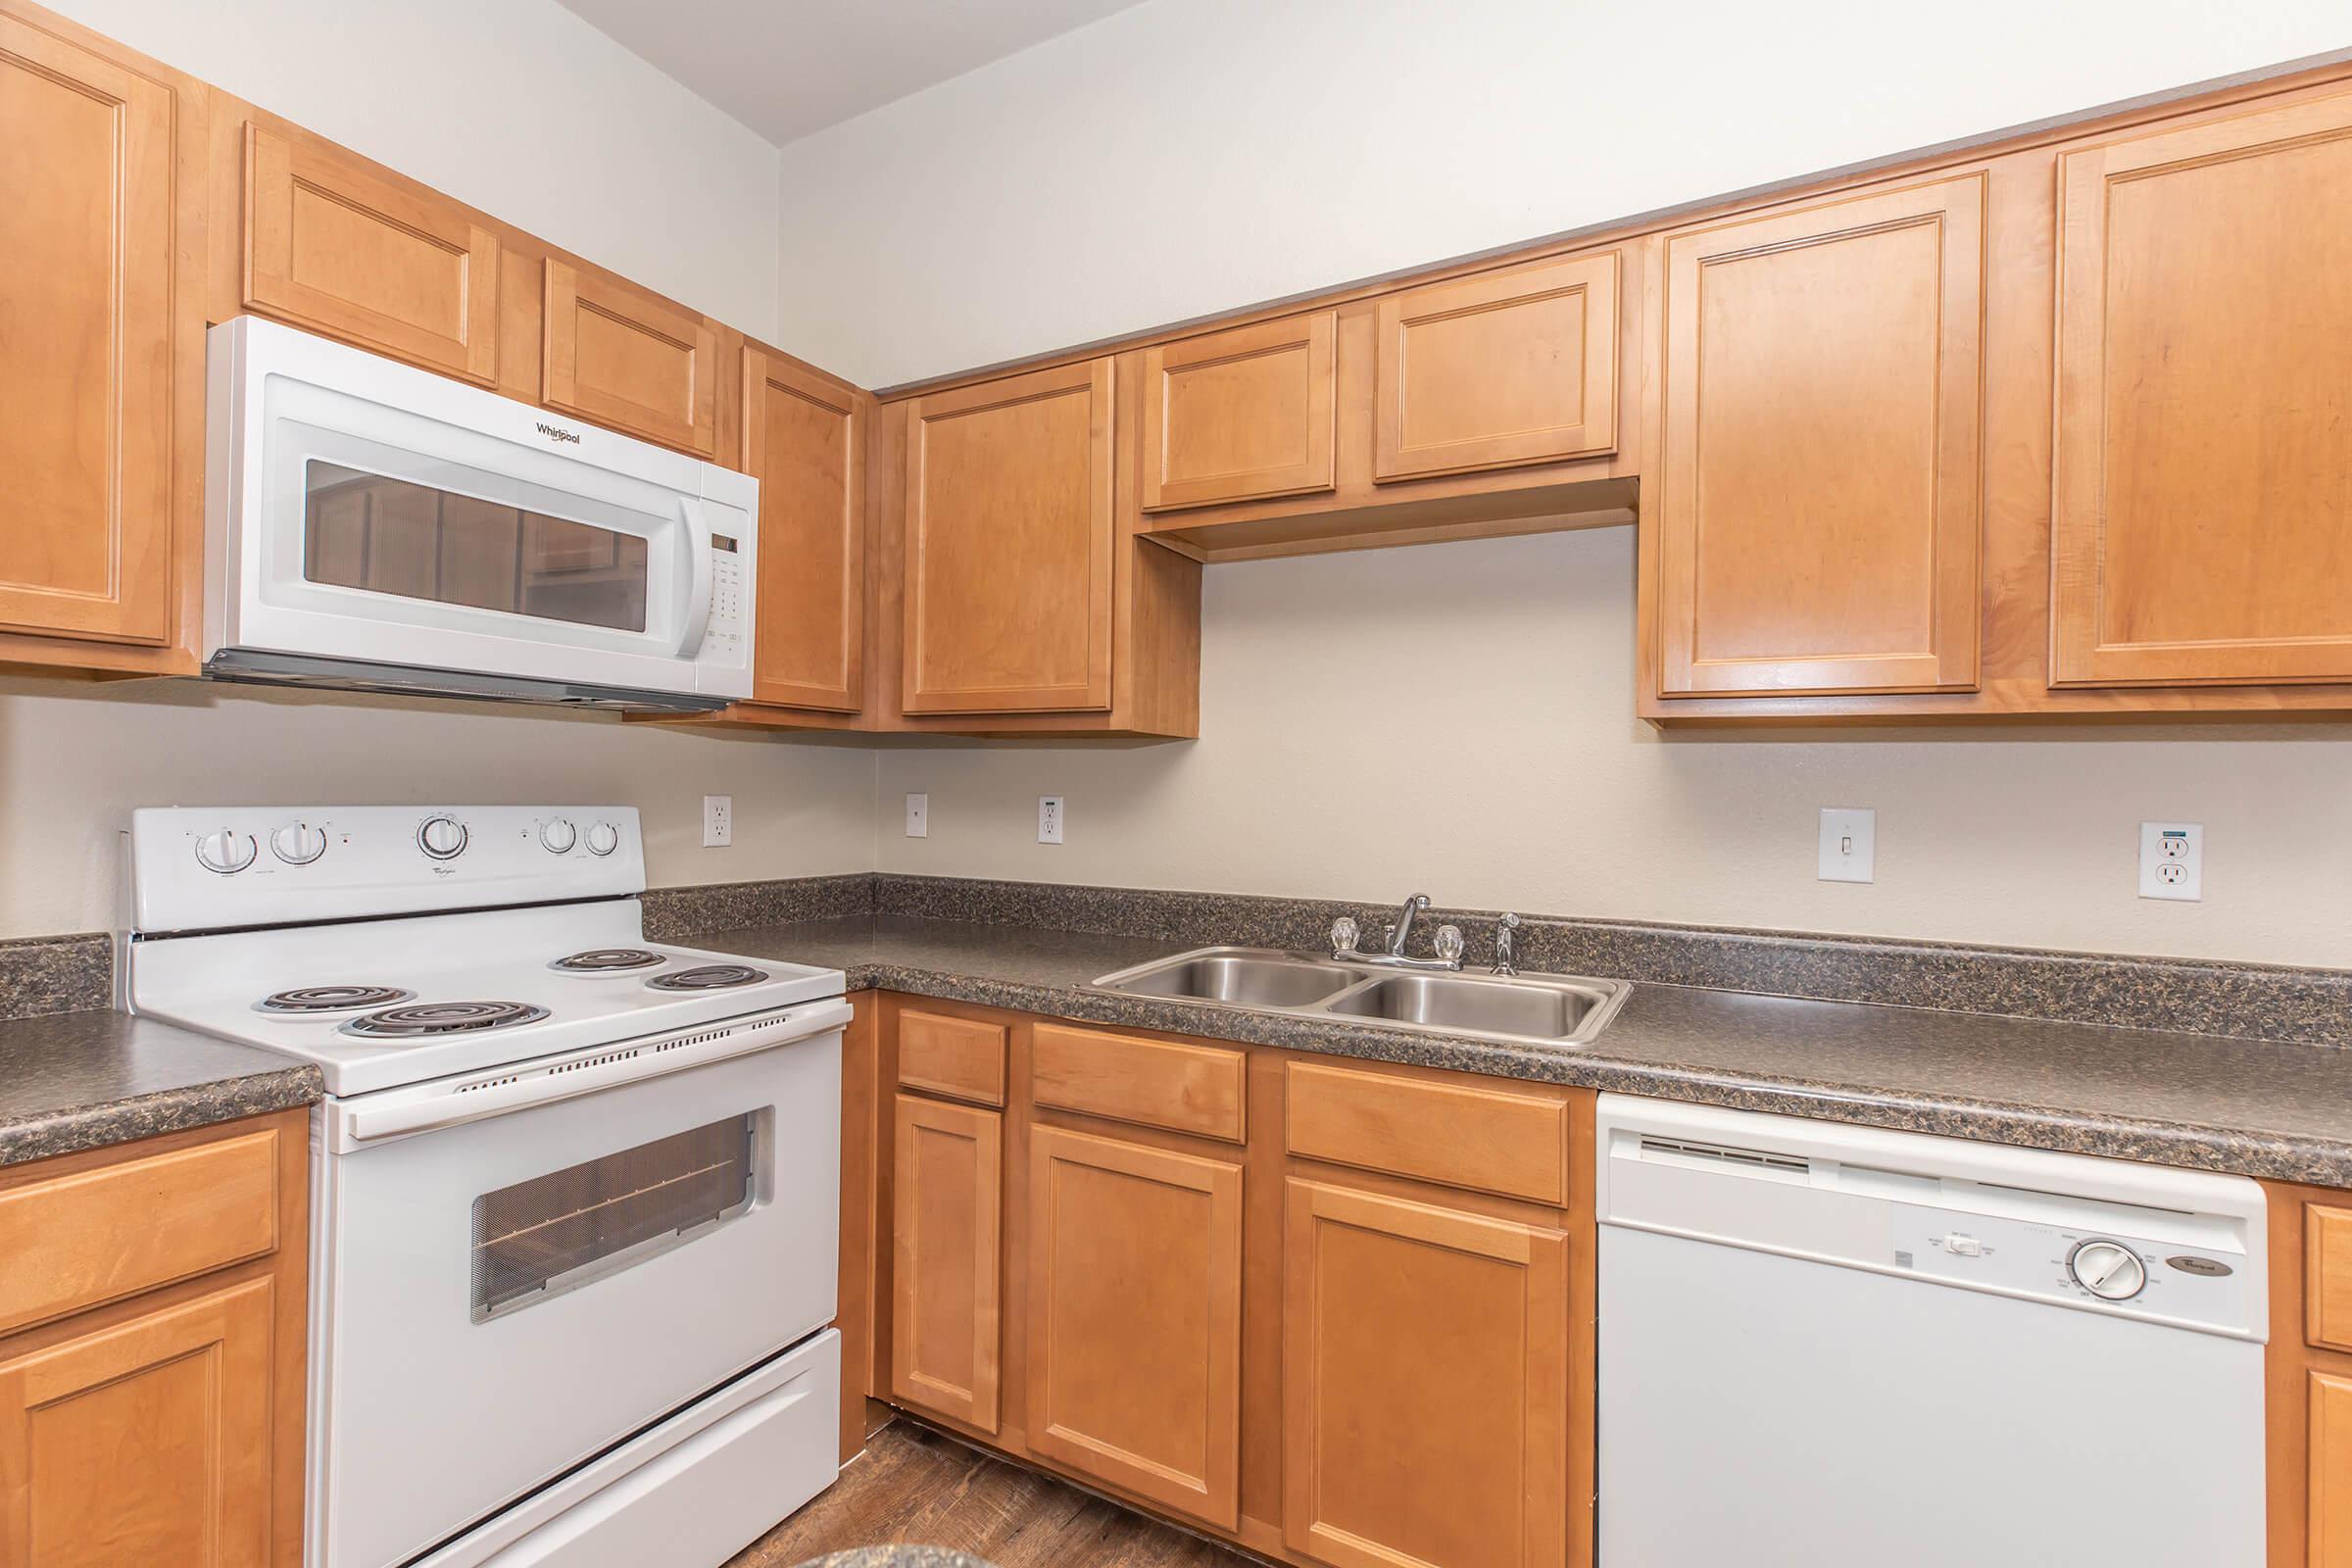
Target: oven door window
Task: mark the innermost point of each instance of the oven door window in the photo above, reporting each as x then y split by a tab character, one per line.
553	1233
392	536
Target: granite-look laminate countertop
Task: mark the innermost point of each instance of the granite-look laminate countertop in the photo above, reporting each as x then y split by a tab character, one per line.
2247	1106
70	1081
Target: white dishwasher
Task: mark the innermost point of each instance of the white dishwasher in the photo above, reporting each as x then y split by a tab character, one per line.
1831	1347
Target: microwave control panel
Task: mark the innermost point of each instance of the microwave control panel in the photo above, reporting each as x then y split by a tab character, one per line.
722	641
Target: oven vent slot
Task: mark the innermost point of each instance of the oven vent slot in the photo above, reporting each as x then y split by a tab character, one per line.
487	1083
1723	1153
694	1040
606	1059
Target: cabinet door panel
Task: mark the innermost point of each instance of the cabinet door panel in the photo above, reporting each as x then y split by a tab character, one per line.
1010	531
804	439
86	342
947	1207
146	1443
1818	496
2330	1472
1135	1318
1238	415
332	246
2203	523
1425	1384
624	359
1498	369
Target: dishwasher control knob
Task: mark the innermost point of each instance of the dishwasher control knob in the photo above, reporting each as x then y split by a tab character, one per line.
442	837
2108	1270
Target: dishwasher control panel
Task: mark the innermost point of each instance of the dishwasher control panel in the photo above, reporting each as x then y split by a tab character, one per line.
2192	1272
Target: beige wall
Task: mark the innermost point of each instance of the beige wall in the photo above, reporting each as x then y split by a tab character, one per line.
1458	719
526	110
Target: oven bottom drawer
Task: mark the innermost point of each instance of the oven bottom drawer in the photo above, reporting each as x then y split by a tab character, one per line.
689	1492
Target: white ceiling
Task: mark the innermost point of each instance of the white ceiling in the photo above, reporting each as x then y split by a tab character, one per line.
786	67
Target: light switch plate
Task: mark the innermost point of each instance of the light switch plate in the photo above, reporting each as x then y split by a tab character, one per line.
2172	860
718	821
1849	842
918	816
1049	820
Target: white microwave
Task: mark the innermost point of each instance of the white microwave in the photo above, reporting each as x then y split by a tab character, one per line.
374	526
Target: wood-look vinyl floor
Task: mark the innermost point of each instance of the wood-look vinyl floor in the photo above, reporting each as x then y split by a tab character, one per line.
914	1485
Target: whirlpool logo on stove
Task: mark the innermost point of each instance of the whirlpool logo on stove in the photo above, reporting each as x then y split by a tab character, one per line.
556	433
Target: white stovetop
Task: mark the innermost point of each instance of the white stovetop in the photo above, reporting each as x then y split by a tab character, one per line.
211	983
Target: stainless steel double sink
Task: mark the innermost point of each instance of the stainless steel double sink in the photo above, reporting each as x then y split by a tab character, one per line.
1551	1010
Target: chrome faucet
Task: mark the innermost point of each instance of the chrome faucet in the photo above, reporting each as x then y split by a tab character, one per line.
1503	928
1449	942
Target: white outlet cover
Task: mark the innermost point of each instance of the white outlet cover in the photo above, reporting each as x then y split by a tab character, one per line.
2172	862
1049	820
718	821
918	816
1849	837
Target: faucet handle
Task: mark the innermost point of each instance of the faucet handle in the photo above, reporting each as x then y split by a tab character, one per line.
1449	944
1344	934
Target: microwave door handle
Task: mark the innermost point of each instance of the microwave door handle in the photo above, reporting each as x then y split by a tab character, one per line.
697	619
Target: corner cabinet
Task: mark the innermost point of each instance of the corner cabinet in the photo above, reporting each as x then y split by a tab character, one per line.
2203	526
101	351
1010	534
1816	472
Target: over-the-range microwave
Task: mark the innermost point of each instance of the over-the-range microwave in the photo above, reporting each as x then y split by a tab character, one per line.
370	526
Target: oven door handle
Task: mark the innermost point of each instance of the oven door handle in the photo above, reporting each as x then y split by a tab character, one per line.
695	618
399	1113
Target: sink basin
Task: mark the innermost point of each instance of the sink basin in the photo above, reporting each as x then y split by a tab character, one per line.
1241	977
1553	1009
1475	1005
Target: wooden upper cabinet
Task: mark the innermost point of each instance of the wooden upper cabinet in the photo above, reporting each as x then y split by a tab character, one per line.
629	360
89	341
1817	480
1135	1318
332	245
947	1216
2203	499
1240	414
1497	369
1425	1384
1009	535
804	439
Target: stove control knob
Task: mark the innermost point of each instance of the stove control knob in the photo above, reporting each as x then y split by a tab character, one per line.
603	839
298	842
442	837
227	851
2108	1270
558	835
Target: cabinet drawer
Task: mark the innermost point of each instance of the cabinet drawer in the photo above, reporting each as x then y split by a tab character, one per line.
2327	1276
1486	1139
99	1235
1154	1082
961	1058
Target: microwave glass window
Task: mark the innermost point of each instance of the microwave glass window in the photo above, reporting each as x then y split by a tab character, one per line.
569	1226
388	536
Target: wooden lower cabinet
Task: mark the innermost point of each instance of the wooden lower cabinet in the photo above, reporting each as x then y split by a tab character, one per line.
1353	1366
945	1218
144	1442
1425	1384
1135	1318
152	1413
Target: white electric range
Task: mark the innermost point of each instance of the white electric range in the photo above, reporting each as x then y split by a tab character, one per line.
574	1193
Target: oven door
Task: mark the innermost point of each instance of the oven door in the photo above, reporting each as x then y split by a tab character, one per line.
497	1301
369	513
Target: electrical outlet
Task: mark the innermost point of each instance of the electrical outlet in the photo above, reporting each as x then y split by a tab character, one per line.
1049	820
719	820
918	816
1848	844
2172	860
